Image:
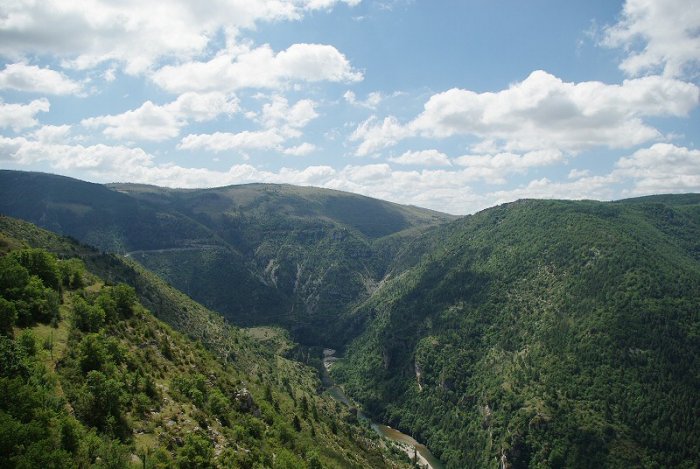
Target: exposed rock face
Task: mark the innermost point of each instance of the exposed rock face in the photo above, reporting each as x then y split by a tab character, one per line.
419	373
244	401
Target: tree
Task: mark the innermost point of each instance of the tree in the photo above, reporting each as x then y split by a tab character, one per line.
124	299
72	272
40	263
196	453
86	317
92	353
101	402
8	317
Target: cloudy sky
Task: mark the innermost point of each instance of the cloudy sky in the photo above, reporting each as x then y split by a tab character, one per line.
454	105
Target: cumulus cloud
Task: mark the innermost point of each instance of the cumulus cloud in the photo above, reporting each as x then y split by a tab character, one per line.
221	141
578	173
51	133
591	187
658	35
259	67
280	122
96	159
30	78
422	158
494	168
659	168
371	102
543	111
302	149
374	136
22	116
663	167
136	33
156	123
279	114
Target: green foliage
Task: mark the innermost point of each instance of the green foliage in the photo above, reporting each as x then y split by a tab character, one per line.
8	317
107	382
72	272
258	254
87	317
551	334
196	453
26	298
40	263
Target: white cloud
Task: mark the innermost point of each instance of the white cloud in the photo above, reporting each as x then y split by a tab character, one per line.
280	121
52	133
440	189
148	122
376	136
422	158
260	67
494	168
221	141
95	159
660	168
22	116
156	123
658	35
302	149
278	114
202	107
592	187
578	173
371	102
23	77
136	33
543	112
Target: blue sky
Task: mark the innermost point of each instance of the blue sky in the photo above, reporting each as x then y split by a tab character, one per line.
451	105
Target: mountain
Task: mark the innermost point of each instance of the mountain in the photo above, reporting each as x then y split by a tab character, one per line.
543	334
91	378
533	334
258	253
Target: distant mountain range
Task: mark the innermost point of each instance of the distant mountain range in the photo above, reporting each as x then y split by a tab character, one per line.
258	253
533	334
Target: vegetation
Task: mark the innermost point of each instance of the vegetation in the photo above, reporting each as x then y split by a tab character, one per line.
533	334
90	378
259	254
543	333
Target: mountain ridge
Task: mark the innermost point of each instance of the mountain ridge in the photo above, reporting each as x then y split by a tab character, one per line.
257	253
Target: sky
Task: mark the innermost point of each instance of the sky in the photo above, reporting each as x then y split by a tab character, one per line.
453	105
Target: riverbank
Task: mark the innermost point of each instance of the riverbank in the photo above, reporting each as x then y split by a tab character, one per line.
415	450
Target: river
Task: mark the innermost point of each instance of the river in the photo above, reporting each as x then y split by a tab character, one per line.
410	446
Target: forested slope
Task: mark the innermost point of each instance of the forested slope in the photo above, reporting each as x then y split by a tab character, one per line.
544	333
258	254
90	378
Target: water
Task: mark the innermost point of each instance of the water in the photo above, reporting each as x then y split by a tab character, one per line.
408	444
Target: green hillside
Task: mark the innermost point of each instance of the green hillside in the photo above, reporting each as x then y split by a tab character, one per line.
90	378
543	334
532	334
258	254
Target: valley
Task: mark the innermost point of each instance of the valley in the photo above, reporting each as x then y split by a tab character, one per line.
535	333
415	450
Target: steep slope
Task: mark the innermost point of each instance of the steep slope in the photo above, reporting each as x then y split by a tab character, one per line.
258	254
90	378
543	333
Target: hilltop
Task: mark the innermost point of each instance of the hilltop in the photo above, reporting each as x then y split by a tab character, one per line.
258	254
